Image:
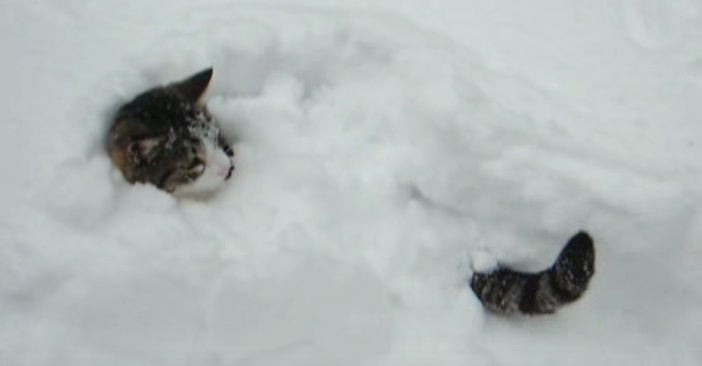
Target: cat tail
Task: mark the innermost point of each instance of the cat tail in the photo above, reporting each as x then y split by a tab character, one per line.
506	291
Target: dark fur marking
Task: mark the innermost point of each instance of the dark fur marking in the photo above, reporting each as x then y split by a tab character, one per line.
506	291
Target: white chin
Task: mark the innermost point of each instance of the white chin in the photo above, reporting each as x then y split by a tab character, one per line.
206	184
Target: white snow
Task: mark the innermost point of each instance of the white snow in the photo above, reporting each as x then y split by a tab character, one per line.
382	149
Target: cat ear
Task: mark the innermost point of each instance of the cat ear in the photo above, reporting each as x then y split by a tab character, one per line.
194	87
143	150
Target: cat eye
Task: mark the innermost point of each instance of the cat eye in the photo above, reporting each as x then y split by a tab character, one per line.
195	162
197	170
190	177
197	165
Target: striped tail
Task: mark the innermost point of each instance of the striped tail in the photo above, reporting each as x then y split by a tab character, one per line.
505	291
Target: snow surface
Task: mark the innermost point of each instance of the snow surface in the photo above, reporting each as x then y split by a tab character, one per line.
380	144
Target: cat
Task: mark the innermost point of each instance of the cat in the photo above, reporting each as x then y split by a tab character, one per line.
166	137
505	291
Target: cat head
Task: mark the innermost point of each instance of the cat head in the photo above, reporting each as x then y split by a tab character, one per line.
166	137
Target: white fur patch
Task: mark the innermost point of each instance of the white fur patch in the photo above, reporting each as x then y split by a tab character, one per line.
214	176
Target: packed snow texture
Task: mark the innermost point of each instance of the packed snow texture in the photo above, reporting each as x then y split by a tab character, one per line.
383	149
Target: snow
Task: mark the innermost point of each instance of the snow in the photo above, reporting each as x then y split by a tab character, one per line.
383	149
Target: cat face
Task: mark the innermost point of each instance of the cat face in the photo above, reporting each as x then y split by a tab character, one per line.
167	138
